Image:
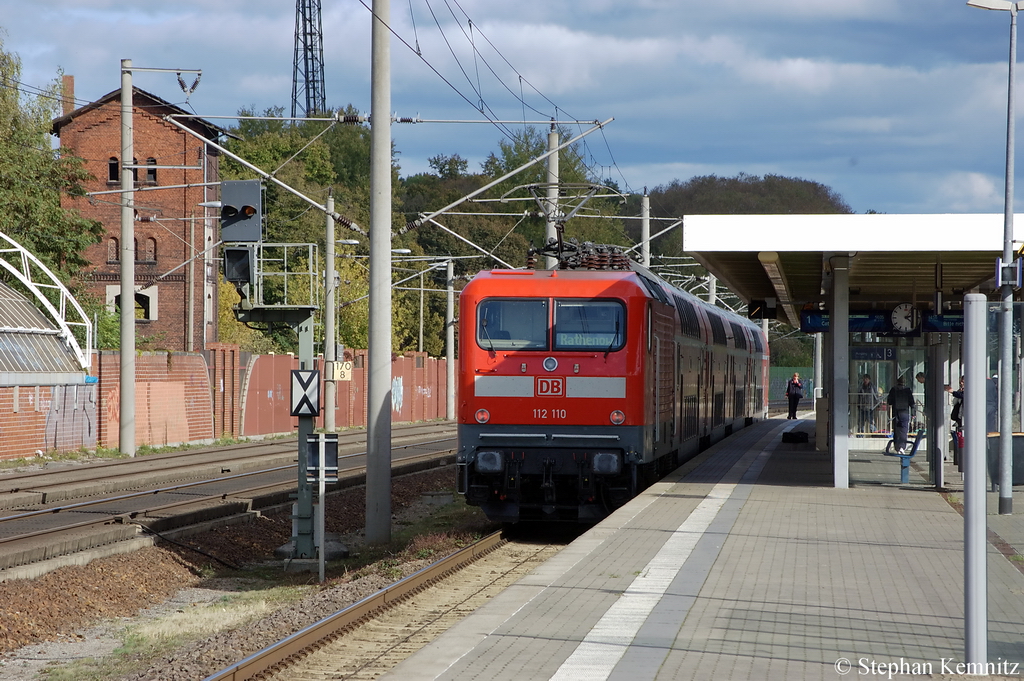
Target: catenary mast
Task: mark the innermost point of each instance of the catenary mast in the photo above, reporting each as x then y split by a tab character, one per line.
308	92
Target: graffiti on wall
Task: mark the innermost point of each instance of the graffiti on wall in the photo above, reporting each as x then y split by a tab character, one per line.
397	394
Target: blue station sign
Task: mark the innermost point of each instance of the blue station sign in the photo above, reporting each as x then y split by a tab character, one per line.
817	321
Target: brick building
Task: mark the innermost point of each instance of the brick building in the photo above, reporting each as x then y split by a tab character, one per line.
176	311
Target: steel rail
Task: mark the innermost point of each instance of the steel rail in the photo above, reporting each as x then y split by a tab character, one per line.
135	495
248	491
112	518
186	485
290	646
172	457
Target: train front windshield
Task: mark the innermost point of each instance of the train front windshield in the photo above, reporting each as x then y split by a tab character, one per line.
518	324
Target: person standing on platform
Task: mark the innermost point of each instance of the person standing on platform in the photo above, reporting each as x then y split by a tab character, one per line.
900	399
794	393
867	400
957	416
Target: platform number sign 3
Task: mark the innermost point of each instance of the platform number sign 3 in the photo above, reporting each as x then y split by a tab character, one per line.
305	395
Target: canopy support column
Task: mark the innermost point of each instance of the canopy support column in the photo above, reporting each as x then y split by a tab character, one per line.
839	387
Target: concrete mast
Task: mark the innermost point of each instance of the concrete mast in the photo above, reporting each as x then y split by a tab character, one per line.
378	417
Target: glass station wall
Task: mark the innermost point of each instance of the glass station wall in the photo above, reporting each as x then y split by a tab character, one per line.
877	363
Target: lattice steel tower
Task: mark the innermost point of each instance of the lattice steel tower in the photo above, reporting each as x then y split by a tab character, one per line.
308	94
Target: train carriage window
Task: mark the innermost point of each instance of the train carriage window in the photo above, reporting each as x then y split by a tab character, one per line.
758	347
718	336
739	340
589	325
687	317
511	324
655	289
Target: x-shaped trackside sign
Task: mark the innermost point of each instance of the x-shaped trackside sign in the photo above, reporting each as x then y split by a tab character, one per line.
305	392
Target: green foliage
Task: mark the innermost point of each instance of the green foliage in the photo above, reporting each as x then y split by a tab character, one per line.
448	167
230	330
34	177
792	350
528	144
108	322
311	157
745	194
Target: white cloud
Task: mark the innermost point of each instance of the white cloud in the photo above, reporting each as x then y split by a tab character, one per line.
896	106
556	59
967	192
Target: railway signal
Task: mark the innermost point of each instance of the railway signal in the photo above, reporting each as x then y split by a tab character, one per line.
240	270
241	210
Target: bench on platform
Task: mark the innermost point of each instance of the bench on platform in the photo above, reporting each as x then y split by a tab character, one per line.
905	458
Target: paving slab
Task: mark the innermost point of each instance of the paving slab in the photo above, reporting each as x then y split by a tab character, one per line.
746	563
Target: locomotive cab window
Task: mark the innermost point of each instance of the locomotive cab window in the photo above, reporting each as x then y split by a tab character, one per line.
589	325
510	324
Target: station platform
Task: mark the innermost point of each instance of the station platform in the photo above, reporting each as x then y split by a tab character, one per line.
746	564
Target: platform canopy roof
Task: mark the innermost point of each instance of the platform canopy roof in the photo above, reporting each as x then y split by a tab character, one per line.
32	351
893	258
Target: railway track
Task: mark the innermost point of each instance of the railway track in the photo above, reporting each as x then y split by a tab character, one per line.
116	502
18	489
371	636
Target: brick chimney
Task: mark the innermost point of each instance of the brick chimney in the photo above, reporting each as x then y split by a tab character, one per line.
68	94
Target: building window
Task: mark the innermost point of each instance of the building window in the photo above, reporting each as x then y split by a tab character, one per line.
135	171
151	249
113	170
146	301
136	250
113	254
151	172
142	306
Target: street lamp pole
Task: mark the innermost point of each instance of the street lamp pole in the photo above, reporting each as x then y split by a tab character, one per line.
1007	276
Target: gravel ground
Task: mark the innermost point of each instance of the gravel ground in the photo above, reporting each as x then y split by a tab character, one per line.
80	612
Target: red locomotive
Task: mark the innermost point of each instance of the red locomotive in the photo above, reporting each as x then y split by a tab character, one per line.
578	388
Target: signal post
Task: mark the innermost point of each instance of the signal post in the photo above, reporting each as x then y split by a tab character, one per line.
241	213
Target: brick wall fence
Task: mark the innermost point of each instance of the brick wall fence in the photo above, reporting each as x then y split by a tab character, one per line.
46	418
195	397
172	398
418	390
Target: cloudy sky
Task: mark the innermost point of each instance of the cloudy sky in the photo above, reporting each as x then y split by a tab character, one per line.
899	106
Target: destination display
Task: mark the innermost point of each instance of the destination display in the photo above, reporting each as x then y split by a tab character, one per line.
817	321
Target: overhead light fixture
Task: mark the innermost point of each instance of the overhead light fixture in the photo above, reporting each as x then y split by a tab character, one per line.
772	265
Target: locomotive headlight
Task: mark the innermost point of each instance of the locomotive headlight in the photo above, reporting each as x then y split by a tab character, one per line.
483	416
490	462
617	418
607	463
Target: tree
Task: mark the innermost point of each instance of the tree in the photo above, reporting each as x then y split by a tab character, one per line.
314	161
530	143
448	167
746	195
34	177
230	330
791	349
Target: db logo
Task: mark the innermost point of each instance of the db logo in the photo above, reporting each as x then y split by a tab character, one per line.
550	387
